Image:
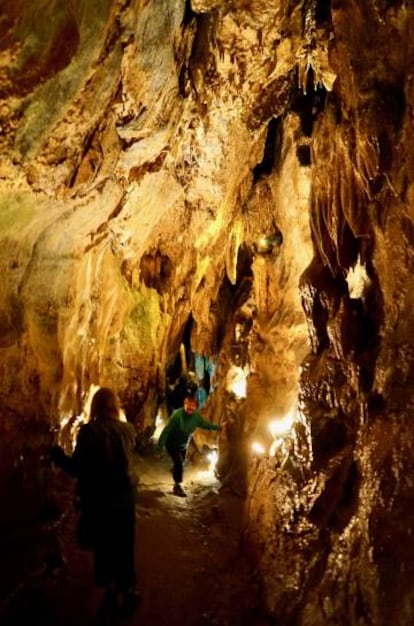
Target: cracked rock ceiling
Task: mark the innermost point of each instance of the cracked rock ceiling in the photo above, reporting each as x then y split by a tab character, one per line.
242	169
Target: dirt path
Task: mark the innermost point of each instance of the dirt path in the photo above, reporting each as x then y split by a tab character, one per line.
190	568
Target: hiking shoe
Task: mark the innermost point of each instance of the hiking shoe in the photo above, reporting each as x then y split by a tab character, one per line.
179	491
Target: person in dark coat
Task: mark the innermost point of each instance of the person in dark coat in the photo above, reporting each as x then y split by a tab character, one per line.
102	463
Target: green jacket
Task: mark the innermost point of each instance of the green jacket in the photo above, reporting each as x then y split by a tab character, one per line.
181	426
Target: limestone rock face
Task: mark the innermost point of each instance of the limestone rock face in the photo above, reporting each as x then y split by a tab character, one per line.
235	179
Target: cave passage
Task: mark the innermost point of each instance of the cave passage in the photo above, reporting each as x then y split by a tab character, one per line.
224	188
190	563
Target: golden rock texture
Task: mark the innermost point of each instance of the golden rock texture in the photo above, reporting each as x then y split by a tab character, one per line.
243	172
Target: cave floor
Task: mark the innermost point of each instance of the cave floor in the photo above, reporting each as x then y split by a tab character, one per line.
190	565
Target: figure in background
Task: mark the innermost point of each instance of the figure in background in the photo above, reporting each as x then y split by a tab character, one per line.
176	435
102	463
202	395
176	393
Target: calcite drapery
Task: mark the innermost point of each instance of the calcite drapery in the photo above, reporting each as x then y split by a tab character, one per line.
147	148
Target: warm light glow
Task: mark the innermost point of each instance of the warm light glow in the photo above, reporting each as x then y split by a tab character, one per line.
274	446
357	279
282	425
212	460
87	406
238	329
236	381
258	448
64	420
262	244
74	428
209	474
74	423
159	425
279	428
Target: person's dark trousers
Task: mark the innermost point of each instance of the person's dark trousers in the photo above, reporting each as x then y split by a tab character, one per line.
114	548
177	454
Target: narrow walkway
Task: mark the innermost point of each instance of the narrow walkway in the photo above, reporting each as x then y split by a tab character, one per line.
190	568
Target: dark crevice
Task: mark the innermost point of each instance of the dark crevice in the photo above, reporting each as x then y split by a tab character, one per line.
308	103
189	14
336	505
322	12
178	367
205	37
155	270
272	149
303	152
329	436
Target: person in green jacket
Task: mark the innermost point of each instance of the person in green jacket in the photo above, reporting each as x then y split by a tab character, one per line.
176	435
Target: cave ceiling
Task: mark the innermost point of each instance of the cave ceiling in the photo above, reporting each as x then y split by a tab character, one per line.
143	145
237	175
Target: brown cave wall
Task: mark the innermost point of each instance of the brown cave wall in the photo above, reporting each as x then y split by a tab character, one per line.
108	162
334	538
245	166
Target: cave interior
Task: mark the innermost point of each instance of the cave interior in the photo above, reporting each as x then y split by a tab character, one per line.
221	189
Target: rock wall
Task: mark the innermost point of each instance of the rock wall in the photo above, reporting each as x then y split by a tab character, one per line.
335	537
242	169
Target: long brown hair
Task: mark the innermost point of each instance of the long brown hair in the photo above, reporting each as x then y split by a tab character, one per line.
105	405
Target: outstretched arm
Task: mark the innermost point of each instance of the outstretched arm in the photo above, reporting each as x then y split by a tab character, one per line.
62	460
71	464
208	425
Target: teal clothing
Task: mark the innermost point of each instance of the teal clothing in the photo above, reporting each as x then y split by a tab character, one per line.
181	426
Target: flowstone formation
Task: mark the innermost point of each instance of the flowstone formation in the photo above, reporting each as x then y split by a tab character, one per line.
232	181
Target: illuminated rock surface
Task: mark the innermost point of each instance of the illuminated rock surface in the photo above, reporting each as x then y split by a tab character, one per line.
235	178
